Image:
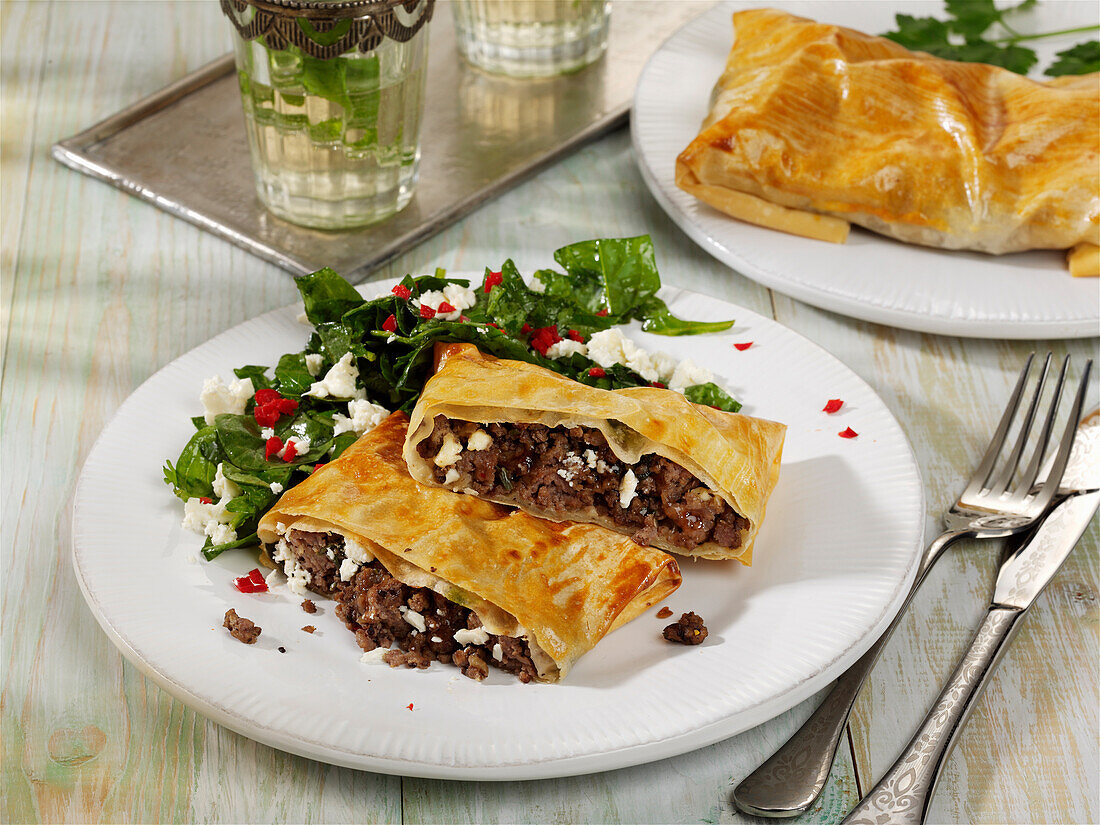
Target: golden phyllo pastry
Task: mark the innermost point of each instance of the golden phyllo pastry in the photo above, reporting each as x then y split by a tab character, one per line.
814	126
643	461
448	577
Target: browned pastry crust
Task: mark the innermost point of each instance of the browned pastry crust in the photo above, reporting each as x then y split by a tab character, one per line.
562	587
815	125
735	456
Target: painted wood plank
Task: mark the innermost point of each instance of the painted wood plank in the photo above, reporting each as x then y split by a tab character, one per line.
1032	743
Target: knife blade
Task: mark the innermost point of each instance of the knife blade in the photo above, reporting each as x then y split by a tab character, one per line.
1023	576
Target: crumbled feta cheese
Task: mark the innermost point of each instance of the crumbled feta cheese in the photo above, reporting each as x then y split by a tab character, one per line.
339	382
301	446
217	397
266	433
479	440
664	364
224	489
374	657
498	652
477	636
568	475
451	477
590	459
314	361
606	347
436	639
357	552
628	489
565	348
220	533
280	528
449	451
415	619
362	417
297	577
573	460
276	487
459	296
601	466
272	578
688	374
348	569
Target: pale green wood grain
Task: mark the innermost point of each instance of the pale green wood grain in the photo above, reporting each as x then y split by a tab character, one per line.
1040	710
100	290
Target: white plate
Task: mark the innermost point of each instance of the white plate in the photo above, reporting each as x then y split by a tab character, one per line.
836	555
1026	295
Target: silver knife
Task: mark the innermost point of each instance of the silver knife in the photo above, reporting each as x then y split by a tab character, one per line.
902	796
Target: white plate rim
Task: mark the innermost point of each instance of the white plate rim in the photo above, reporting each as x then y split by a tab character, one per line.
560	767
817	294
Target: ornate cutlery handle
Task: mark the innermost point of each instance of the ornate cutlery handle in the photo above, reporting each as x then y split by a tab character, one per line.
789	782
901	797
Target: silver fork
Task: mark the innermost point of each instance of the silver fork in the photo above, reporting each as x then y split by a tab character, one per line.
789	782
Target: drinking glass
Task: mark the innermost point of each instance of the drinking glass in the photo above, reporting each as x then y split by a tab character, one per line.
531	38
333	97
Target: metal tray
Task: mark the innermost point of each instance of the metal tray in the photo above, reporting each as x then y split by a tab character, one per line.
184	149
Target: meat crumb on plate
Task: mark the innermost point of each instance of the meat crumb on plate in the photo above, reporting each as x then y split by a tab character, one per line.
687	630
308	606
241	628
309	628
664	613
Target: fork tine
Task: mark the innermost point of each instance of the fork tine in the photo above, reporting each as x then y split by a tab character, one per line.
977	481
1058	468
1041	449
1004	477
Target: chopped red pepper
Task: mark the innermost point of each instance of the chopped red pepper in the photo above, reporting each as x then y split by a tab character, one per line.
402	292
272	446
205	500
526	328
575	336
597	372
464	319
659	386
286	406
543	338
291	450
390	324
494	326
602	313
832	405
445	307
319	465
409	706
252	583
742	346
266	415
426	312
266	396
848	433
492	279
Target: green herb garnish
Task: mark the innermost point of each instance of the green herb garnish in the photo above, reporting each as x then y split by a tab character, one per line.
966	35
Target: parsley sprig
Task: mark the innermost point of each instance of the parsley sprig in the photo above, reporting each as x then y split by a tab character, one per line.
966	35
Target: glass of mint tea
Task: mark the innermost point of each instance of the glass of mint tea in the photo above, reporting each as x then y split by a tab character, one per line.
333	96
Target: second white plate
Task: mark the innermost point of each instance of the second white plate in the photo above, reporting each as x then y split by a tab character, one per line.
836	555
1026	295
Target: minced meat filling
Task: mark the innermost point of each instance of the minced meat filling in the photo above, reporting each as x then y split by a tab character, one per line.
570	470
319	554
384	612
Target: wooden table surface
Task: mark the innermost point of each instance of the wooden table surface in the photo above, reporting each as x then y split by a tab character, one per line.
100	290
